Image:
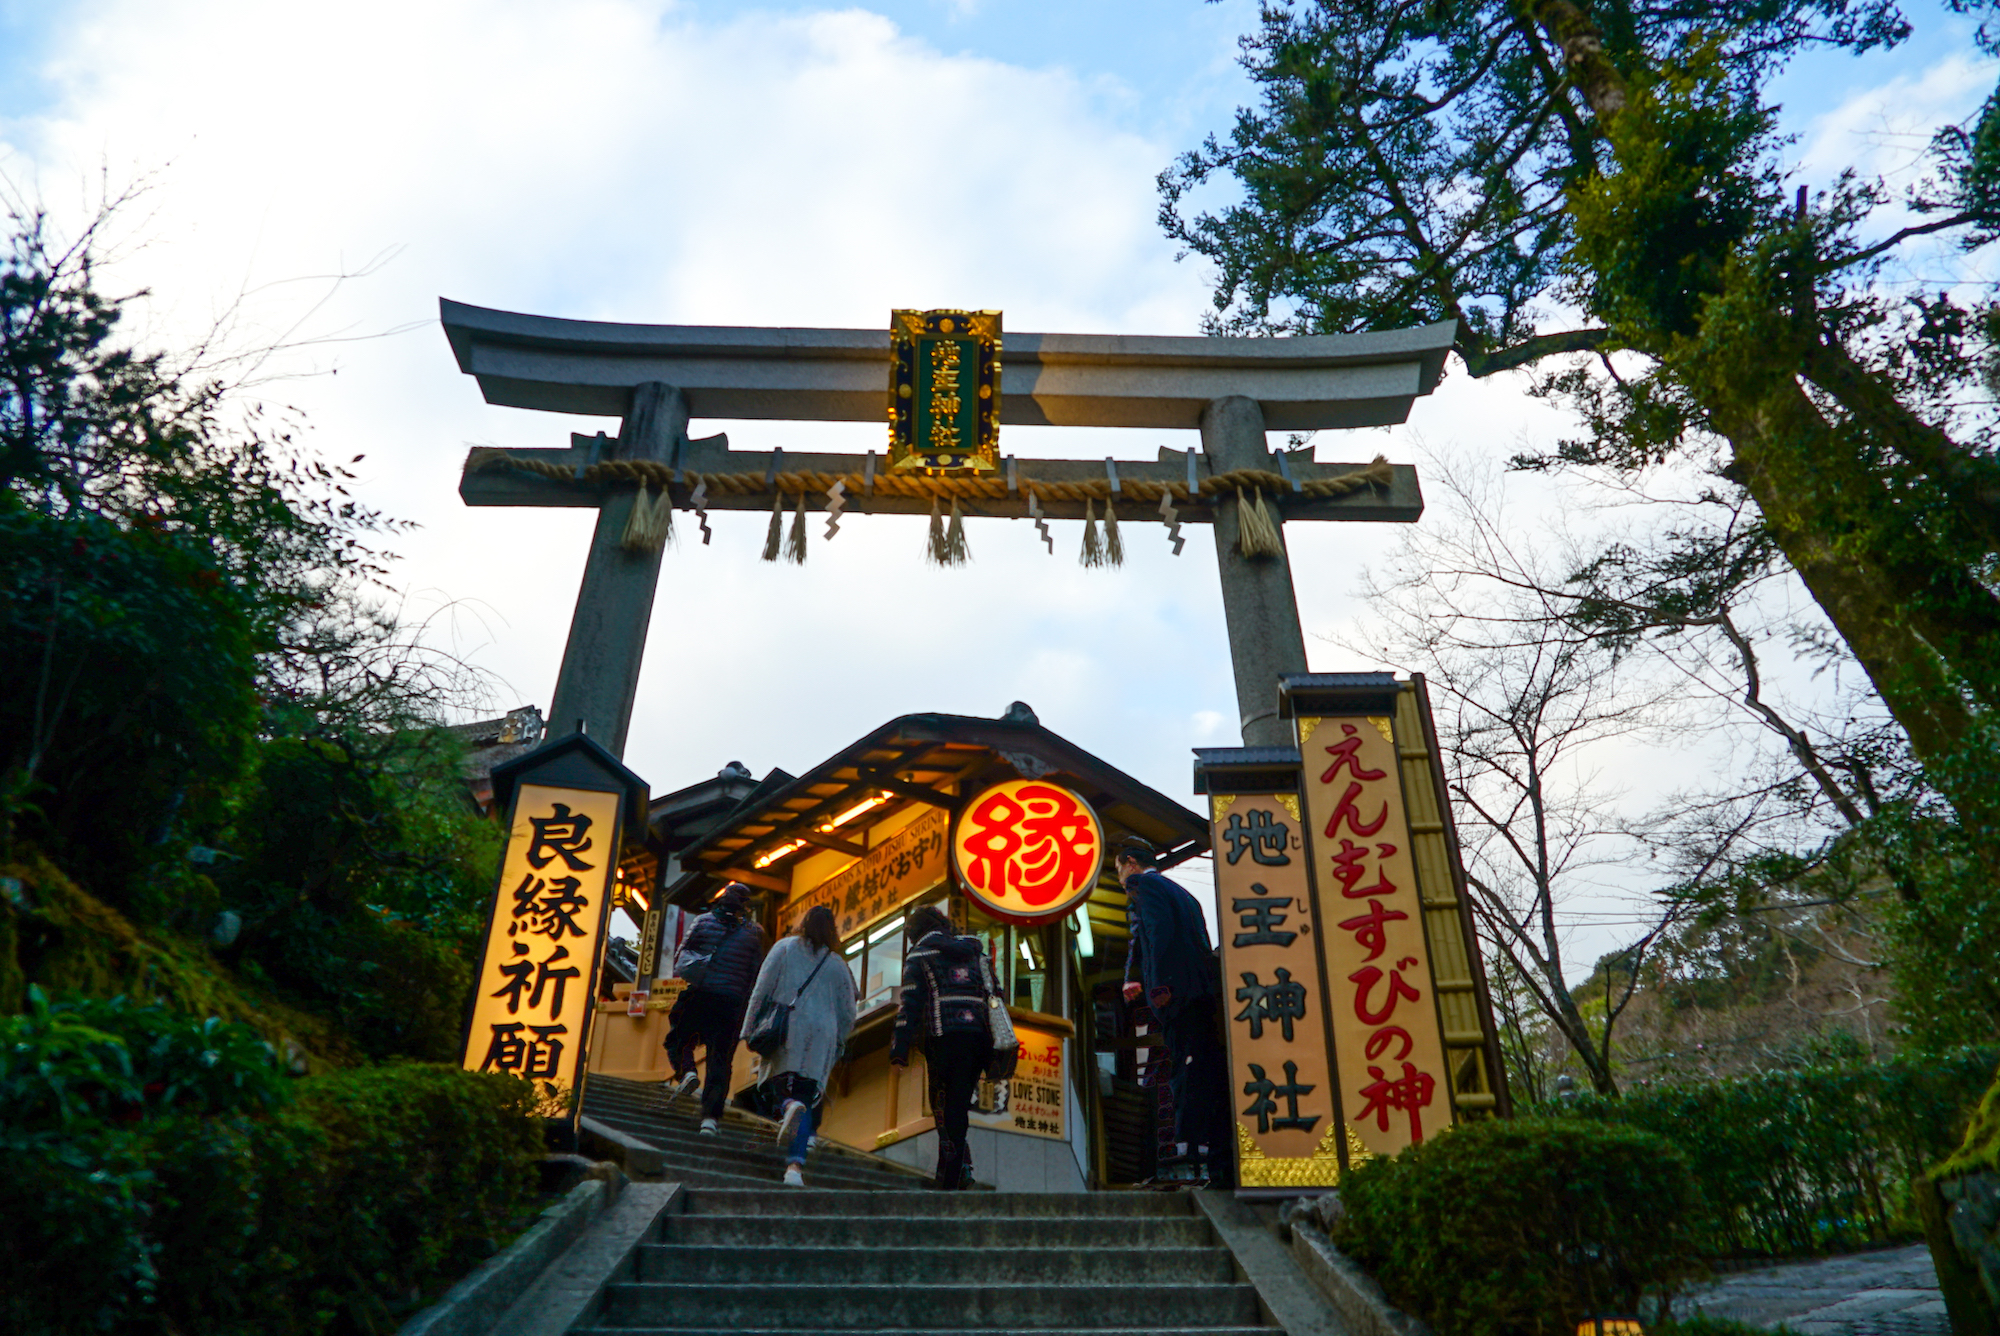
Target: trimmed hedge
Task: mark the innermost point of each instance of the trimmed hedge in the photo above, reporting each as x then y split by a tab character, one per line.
1523	1227
165	1176
1797	1163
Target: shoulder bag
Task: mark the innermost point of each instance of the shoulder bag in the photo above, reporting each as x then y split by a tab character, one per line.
774	1021
1006	1048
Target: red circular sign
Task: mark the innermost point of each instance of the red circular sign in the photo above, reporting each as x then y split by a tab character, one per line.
1028	851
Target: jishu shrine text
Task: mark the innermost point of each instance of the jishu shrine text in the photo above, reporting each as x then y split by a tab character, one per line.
1281	1080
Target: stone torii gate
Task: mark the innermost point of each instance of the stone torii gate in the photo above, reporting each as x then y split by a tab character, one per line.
656	377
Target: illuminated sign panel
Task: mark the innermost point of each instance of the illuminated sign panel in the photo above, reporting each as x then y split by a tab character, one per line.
1387	1042
531	1012
1031	1103
896	871
1282	1082
1028	851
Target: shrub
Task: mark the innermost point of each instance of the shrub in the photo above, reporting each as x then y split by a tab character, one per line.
166	1176
1802	1162
1522	1227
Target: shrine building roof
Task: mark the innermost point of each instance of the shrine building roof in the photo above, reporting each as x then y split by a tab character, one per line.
937	760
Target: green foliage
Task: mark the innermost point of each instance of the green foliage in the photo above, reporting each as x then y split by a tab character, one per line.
362	878
164	1176
156	551
1802	1162
1701	1324
1522	1227
94	1060
190	667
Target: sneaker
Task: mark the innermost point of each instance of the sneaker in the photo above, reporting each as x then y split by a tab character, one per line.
788	1124
794	1176
680	1085
708	1126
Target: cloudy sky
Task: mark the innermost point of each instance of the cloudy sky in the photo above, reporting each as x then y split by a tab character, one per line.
780	164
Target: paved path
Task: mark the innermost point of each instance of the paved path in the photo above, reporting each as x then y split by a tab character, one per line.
1889	1293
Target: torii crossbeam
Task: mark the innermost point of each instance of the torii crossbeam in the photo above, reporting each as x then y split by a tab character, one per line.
655	377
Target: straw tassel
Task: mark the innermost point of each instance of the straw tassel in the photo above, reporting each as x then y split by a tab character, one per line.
1093	550
934	550
956	553
795	549
774	537
1256	533
1114	546
651	522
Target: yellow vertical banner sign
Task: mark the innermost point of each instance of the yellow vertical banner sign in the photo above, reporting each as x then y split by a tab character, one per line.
532	1007
1281	1077
1387	1043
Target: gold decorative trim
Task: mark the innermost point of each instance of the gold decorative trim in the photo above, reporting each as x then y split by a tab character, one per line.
1219	805
1306	727
1382	726
1321	1169
1291	803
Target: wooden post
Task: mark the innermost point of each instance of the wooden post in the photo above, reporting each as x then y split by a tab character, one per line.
614	606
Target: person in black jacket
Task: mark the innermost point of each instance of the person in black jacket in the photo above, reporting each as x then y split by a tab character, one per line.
1171	963
710	1012
946	984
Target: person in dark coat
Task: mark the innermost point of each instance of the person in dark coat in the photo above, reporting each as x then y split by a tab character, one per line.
1171	963
947	982
709	1013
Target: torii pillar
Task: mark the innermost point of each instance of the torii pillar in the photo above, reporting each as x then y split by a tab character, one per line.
1234	390
1260	605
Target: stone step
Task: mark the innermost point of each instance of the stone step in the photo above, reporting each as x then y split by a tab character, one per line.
761	1146
846	1307
752	1175
928	1331
732	1264
960	1205
837	1228
738	1134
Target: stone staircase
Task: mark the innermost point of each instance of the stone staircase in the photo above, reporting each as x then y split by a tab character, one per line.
775	1261
742	1154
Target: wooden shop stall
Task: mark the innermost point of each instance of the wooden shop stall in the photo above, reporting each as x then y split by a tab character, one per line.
1007	827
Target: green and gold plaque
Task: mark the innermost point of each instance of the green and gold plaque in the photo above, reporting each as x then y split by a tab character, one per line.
944	391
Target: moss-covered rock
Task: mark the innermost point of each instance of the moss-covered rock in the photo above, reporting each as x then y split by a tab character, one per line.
1961	1207
58	935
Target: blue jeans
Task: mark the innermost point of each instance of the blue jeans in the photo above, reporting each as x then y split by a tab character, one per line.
790	1086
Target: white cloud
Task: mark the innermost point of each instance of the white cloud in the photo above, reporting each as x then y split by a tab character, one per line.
619	159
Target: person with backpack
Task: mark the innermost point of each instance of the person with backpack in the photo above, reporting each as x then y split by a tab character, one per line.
719	959
948	990
799	1017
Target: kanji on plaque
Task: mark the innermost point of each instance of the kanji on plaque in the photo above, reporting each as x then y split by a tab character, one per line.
1388	1045
1027	850
1281	1079
532	1003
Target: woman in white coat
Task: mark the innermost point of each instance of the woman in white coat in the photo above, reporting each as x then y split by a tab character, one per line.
804	970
